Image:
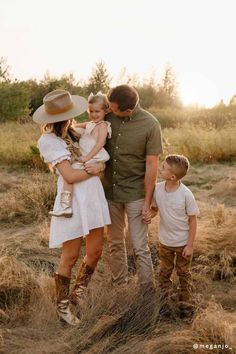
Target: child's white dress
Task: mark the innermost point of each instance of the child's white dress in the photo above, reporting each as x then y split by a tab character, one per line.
90	209
87	142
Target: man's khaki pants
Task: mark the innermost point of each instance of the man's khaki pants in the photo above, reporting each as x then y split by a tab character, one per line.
139	238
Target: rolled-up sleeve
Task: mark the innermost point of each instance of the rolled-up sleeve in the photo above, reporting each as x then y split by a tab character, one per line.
53	149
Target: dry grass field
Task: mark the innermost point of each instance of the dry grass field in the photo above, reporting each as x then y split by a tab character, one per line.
115	320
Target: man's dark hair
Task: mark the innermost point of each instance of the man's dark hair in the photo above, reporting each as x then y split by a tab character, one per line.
125	96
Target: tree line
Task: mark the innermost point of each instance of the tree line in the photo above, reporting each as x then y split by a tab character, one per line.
19	99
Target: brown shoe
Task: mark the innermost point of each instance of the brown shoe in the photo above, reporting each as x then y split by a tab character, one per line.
63	302
84	275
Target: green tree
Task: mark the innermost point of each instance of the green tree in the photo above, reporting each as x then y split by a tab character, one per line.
100	79
147	94
14	101
50	83
167	95
4	70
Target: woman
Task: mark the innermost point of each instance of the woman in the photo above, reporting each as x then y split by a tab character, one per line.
58	146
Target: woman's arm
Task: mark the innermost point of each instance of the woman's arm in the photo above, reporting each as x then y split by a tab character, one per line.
71	175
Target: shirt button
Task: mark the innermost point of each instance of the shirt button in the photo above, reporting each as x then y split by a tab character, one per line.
114	184
123	122
114	172
119	134
116	147
115	160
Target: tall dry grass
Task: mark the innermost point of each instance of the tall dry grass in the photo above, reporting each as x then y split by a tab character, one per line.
114	320
202	144
30	200
18	145
197	142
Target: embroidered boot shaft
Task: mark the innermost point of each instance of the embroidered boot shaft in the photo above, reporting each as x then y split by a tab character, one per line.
84	275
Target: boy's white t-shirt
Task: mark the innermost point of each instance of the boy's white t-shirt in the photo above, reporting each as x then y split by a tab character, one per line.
174	208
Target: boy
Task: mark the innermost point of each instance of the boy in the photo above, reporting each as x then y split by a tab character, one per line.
178	224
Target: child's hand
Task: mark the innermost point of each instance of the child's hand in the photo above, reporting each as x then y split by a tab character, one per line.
187	251
147	217
83	159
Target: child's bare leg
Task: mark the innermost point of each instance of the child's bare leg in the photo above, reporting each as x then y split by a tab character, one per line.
68	187
65	207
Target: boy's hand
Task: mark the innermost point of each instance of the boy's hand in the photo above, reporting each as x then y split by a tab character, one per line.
147	217
187	251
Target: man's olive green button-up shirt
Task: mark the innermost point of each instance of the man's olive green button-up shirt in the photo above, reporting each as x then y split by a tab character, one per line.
133	138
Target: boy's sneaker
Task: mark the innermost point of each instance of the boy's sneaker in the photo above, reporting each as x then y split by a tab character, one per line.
65	207
186	311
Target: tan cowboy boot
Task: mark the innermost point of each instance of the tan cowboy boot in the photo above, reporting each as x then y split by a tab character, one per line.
84	275
63	302
65	207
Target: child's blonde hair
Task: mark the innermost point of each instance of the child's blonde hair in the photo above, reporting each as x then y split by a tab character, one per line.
179	165
99	98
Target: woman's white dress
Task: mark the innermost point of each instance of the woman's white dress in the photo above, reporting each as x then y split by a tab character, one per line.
90	209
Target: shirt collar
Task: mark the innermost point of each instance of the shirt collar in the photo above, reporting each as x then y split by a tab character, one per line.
135	111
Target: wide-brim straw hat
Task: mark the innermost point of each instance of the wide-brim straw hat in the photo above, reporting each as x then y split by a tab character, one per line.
58	106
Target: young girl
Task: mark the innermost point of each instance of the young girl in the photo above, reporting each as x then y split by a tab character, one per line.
93	136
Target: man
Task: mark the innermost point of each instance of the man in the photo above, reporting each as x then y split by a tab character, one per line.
130	178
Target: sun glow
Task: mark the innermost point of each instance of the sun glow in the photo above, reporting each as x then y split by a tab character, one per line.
197	89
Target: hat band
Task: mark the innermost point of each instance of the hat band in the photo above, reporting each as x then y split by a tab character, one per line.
59	110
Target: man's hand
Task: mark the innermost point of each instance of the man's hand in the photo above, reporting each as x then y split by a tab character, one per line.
94	168
148	215
145	209
187	251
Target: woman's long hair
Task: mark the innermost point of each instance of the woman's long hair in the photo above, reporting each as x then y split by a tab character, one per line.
66	131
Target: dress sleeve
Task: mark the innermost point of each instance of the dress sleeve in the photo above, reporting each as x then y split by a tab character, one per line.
53	149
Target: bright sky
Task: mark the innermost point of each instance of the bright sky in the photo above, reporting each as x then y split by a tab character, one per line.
195	37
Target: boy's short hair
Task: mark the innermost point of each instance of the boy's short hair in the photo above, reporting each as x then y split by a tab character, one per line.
179	165
125	96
